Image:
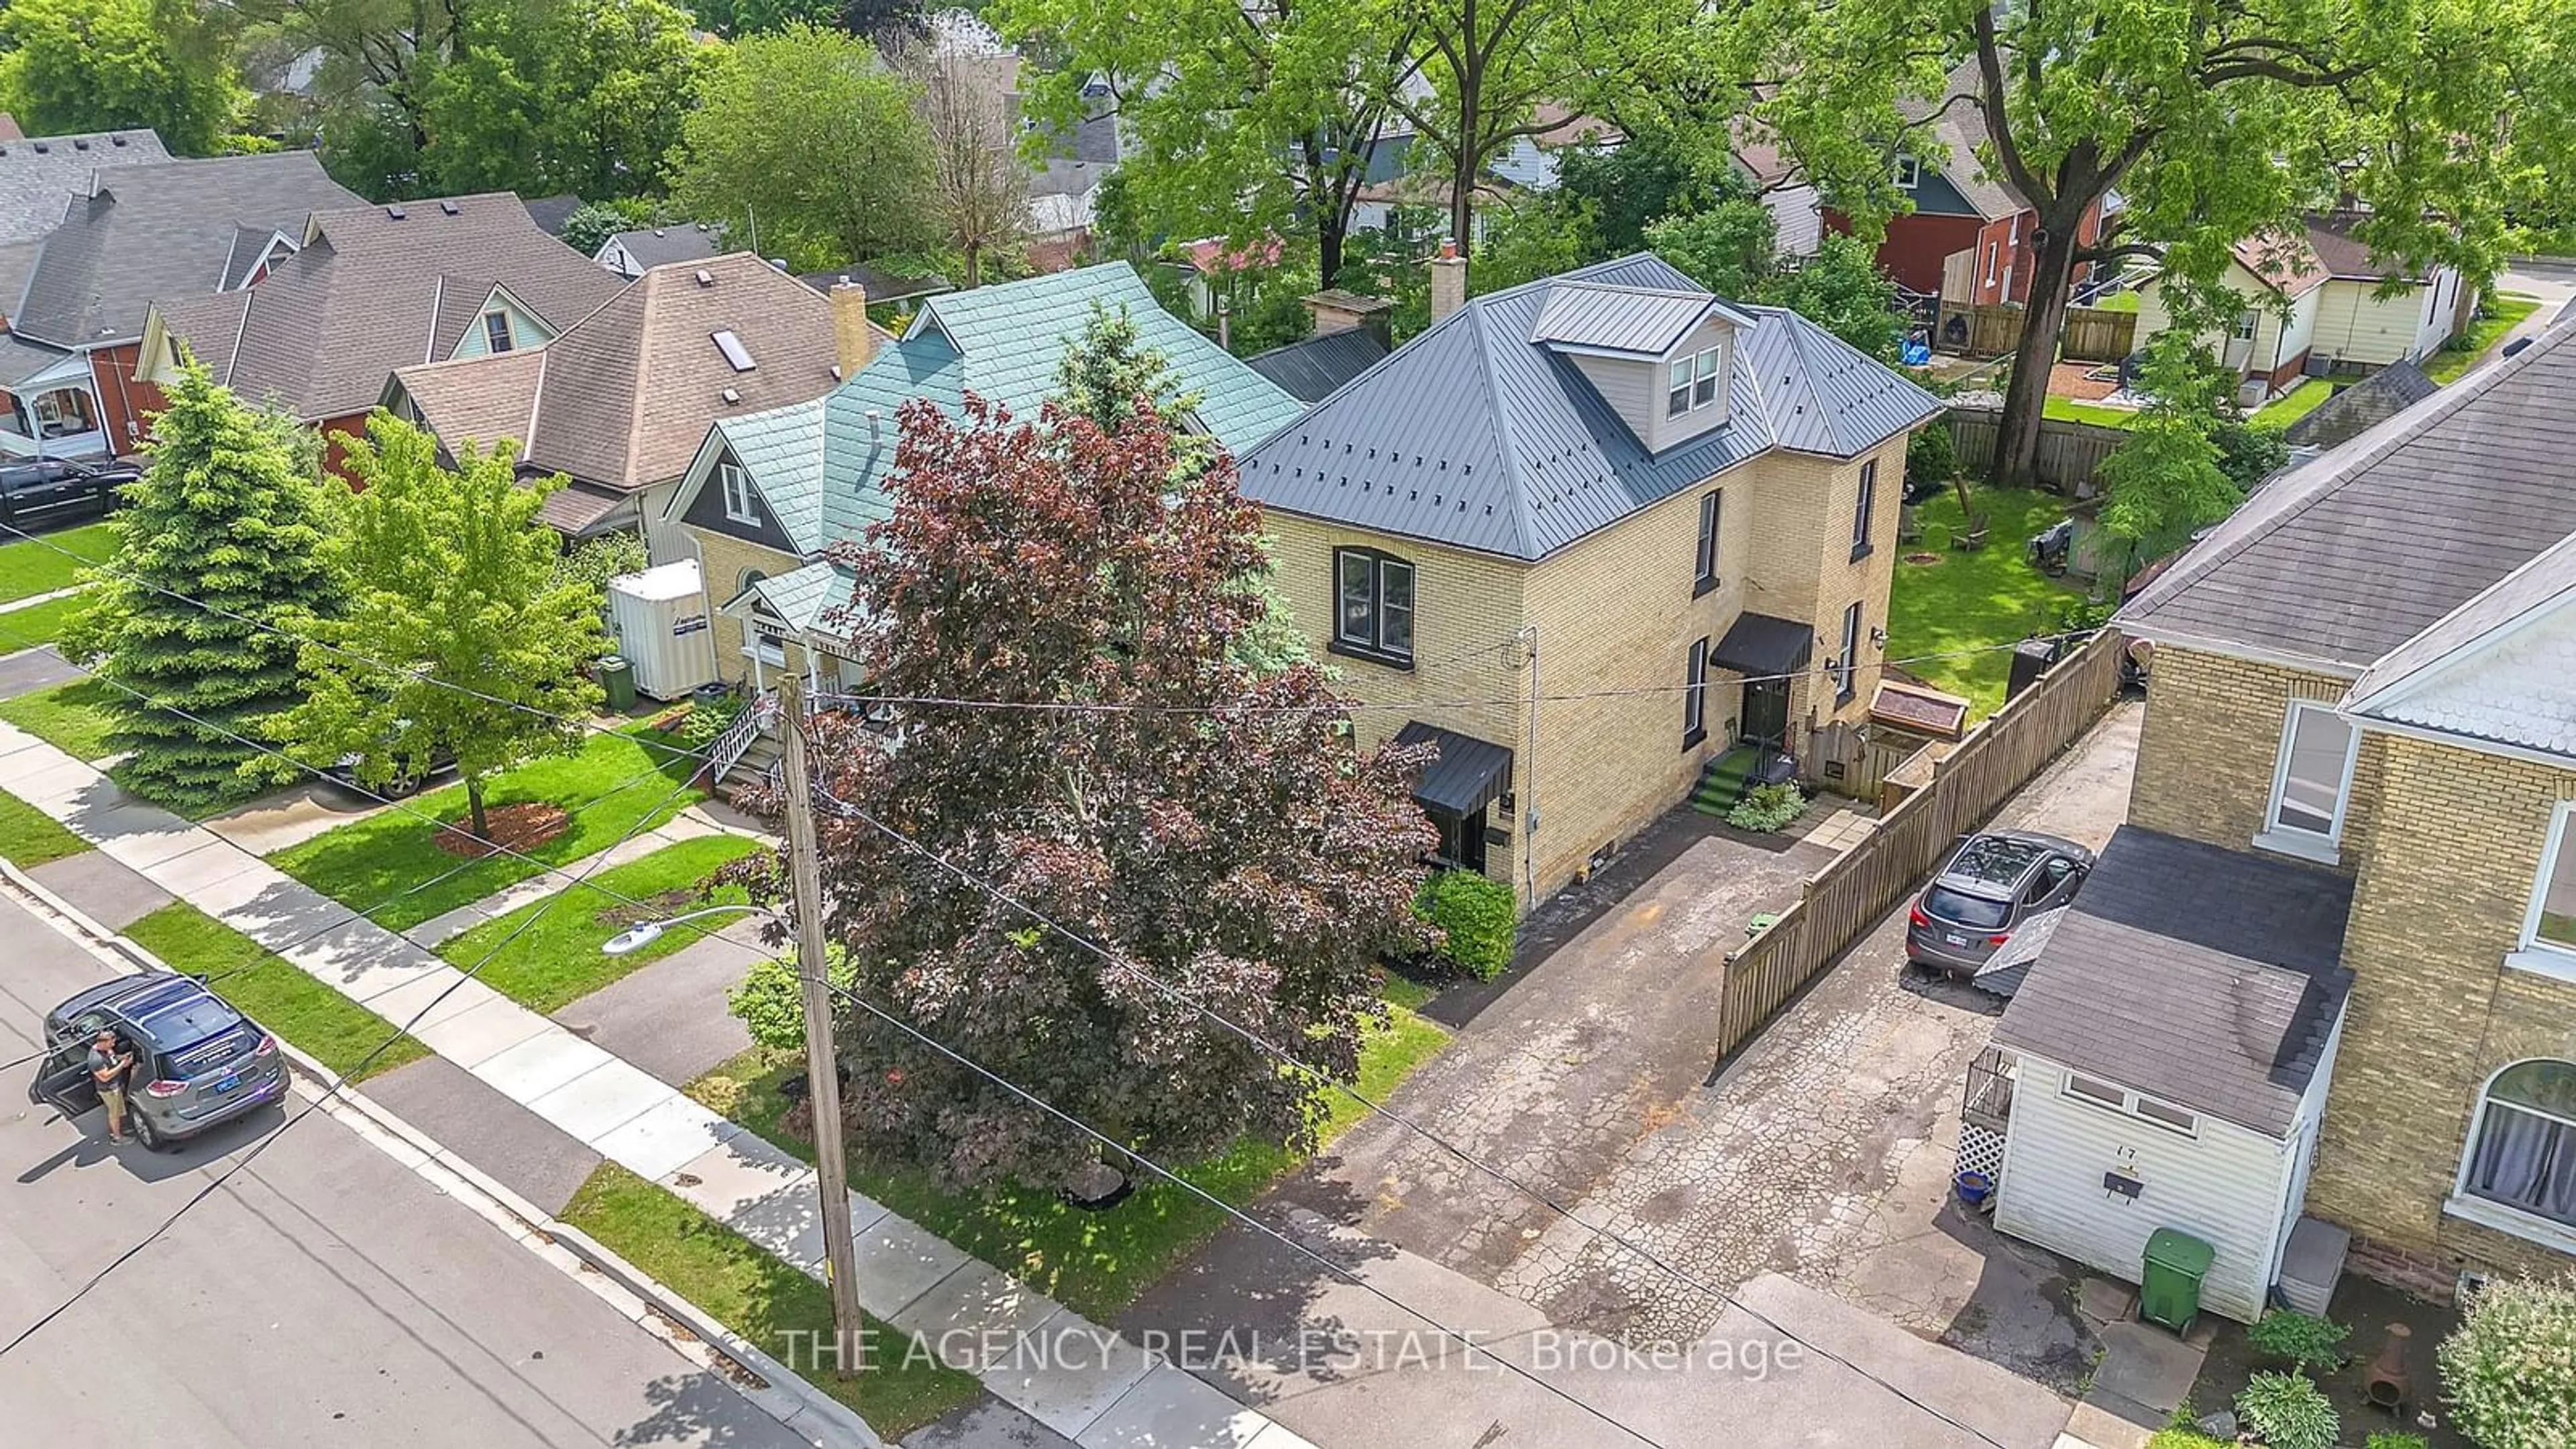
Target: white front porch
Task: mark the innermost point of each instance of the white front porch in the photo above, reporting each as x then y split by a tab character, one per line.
53	414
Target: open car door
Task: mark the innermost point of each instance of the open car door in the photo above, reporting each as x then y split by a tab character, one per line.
63	1082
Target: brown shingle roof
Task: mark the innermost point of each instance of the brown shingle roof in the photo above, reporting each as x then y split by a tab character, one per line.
624	398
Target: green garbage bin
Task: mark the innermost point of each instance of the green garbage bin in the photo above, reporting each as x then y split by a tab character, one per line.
617	677
2169	1289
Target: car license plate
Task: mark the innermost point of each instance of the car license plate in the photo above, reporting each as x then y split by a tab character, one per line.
1954	938
227	1084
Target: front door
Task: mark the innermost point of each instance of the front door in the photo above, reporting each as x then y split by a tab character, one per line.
1462	838
1766	713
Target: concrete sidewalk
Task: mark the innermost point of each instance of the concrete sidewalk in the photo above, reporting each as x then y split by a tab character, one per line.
1076	1378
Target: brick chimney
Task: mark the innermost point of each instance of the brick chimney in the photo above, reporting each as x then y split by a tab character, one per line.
1448	281
853	340
1337	310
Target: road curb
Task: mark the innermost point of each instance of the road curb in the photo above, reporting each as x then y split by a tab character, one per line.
694	1334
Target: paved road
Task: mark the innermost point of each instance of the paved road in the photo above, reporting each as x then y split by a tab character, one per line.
326	1296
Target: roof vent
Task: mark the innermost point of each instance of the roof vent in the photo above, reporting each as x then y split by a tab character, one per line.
42	147
116	140
657	231
731	397
705	277
393	213
80	143
448	206
778	264
735	354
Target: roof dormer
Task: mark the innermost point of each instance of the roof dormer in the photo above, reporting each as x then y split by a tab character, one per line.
1662	360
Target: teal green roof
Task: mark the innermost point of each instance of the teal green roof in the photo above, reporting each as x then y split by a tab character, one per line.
821	466
801	597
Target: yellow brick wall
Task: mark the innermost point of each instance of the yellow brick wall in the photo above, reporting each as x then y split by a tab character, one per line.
721	561
2439	900
2211	743
1614	613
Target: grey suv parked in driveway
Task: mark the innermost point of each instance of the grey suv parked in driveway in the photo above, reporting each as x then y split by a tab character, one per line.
197	1062
1994	881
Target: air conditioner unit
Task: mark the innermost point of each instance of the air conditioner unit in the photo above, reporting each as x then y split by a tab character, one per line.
2320	364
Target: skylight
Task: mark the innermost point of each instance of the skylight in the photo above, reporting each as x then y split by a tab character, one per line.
734	352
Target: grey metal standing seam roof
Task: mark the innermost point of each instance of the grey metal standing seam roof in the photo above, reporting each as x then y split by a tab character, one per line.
1473	435
2220	968
39	176
1310	370
2363	406
2342	560
1619	319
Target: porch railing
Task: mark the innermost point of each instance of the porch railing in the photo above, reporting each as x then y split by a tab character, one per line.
736	741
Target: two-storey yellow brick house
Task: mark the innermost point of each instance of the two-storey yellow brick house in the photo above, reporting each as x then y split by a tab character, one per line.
2363	695
1584	532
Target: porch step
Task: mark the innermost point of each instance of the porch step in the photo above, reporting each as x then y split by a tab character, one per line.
1721	782
754	767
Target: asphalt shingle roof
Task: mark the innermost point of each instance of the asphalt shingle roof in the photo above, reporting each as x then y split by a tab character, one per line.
40	175
1311	369
2363	406
1474	435
821	466
625	395
2220	967
371	292
162	231
2501	668
2343	559
681	241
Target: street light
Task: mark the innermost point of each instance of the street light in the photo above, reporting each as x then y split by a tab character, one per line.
643	934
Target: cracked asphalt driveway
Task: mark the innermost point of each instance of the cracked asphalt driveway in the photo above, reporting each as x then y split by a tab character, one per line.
1822	1152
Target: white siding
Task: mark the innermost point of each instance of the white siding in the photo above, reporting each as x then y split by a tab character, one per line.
2225	1186
2276	340
2300	333
2357	327
1634	390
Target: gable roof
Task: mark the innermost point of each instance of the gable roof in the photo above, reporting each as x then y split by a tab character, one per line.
39	176
166	230
1310	369
2282	262
2364	405
821	466
1645	321
1954	126
376	288
625	395
2499	669
655	246
2345	256
1474	435
2223	969
2341	560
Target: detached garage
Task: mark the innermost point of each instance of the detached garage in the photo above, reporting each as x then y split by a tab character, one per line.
2172	1045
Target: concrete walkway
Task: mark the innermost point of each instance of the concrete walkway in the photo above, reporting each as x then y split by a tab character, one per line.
1076	1378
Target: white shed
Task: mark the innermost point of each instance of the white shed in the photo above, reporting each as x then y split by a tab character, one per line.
2172	1045
660	619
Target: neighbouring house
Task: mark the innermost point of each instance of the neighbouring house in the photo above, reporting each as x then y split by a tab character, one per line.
129	235
630	254
39	176
619	401
1672	512
370	289
1968	236
1064	189
2314	306
2355	786
2364	405
1208	269
1351	333
1797	208
883	288
1404	172
769	494
551	212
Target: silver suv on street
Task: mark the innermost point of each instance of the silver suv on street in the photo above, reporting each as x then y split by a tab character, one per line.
197	1062
1996	880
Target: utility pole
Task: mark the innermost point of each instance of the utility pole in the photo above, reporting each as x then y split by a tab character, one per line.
822	1061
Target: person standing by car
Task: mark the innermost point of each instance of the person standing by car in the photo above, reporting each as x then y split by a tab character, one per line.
109	1067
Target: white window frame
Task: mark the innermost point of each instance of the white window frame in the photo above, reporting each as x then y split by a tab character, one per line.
1677	387
1695	694
1994	259
1370	643
1704	555
1907	173
2248	322
2298	840
506	340
741	503
1867	503
2486	1211
2535	952
1704	379
2112	1097
1847	668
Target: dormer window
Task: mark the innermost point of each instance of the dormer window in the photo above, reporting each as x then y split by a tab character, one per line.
1909	173
1693	383
496	330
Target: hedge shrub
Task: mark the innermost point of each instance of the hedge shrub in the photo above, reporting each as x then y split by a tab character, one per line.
2509	1370
1475	918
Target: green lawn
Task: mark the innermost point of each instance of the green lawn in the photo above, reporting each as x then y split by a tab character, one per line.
558	961
770	1303
1093	1262
2295	404
367	861
2068	410
2117	302
321	1022
71	716
29	837
1960	601
35	624
38	566
2496	316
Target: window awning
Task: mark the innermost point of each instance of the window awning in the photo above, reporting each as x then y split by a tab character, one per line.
1465	776
1764	645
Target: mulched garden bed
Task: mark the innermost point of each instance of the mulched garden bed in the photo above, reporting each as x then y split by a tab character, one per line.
513	827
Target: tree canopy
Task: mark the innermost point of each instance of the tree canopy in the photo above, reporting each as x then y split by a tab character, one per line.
805	144
102	65
1210	824
462	637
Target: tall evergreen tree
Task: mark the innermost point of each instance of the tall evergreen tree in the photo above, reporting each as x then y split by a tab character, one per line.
218	550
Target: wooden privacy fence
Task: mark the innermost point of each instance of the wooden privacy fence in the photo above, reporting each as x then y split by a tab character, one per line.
1978	329
2069	453
1846	898
2097	334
